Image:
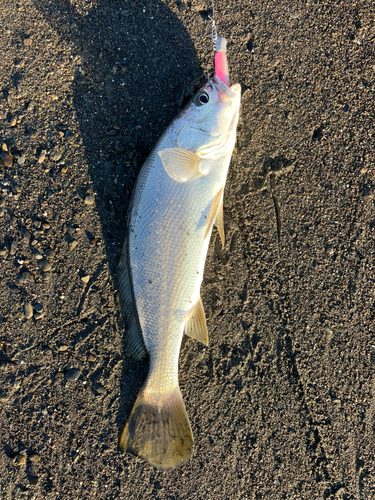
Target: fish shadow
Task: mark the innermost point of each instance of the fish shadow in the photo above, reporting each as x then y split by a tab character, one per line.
134	67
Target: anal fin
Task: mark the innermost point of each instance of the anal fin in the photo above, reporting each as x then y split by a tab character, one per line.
195	326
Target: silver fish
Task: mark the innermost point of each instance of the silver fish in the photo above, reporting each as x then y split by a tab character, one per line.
177	199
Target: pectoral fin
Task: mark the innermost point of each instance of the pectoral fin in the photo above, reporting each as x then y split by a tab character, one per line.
180	164
195	326
215	215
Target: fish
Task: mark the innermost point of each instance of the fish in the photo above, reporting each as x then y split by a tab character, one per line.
177	199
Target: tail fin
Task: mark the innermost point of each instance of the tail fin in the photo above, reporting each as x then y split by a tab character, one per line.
159	433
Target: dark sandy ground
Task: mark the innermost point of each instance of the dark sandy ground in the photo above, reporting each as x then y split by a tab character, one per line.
282	401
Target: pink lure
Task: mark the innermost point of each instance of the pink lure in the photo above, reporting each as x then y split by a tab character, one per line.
221	62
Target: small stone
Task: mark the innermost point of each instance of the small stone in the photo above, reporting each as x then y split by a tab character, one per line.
59	375
39	315
55	154
26	235
89	199
2	212
2	202
7	159
38	308
45	225
13	247
42	156
34	458
26	277
3	399
27	42
73	375
13	122
63	348
73	244
33	243
21	460
91	357
21	160
28	310
125	13
50	253
68	134
4	147
100	390
47	276
86	278
38	255
44	265
3	252
64	170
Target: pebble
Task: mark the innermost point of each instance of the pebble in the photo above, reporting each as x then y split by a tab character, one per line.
45	225
3	252
34	458
21	160
50	253
42	156
26	234
47	276
39	315
13	247
73	375
7	159
64	171
3	399
38	308
2	212
27	42
100	390
2	202
21	460
26	277
55	154
34	242
91	357
63	348
13	122
89	199
38	255
73	244
68	134
44	265
28	310
86	278
59	375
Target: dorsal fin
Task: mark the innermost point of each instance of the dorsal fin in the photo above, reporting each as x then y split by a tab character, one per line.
134	344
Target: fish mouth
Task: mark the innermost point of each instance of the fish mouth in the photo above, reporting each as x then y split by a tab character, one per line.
229	92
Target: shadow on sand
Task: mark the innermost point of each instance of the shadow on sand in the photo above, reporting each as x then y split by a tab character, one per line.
134	67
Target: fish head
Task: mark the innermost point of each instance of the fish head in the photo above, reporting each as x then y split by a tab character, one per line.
211	117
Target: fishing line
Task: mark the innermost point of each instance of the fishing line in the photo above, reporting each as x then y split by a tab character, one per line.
214	29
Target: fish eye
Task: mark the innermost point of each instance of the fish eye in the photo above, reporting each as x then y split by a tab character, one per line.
201	99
